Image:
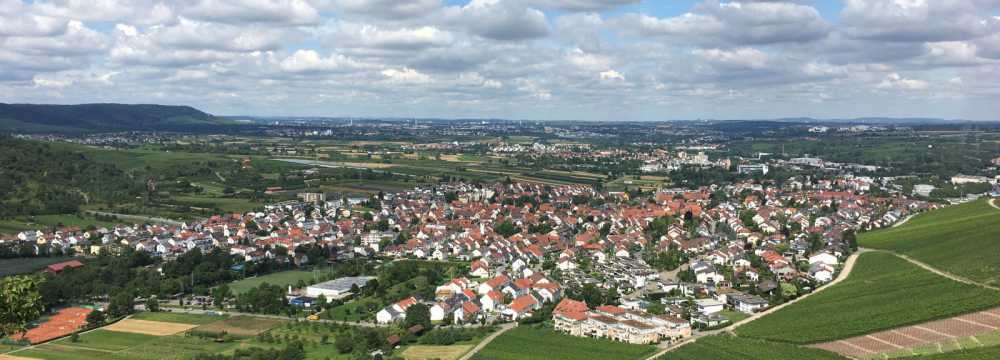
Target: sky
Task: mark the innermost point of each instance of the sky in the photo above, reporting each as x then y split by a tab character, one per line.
600	60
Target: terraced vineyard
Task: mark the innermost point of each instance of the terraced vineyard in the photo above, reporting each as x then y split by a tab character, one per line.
529	342
729	347
963	240
883	292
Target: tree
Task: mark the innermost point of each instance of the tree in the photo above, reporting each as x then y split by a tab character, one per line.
121	304
418	314
75	337
95	319
152	305
20	303
656	308
219	295
344	343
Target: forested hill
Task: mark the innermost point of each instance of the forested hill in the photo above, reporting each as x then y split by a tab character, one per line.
43	178
28	118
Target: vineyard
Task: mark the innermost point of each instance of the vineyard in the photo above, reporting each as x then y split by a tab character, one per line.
961	239
730	347
883	292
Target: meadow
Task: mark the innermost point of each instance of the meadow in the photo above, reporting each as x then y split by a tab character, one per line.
731	347
283	279
962	239
110	345
531	342
883	292
180	318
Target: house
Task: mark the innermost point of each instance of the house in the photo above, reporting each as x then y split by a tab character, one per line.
709	306
824	258
395	312
522	307
747	303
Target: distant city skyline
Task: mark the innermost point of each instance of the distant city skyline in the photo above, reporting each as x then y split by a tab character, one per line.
602	60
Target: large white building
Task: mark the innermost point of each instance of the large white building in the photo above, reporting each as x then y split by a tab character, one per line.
337	288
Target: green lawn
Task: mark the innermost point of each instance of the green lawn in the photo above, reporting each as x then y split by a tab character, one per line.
28	265
963	240
733	316
107	340
529	342
882	292
180	318
722	347
109	347
283	278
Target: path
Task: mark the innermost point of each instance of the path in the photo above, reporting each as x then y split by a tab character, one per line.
993	203
904	221
942	272
844	273
482	344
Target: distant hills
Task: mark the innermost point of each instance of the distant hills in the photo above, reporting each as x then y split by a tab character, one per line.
34	118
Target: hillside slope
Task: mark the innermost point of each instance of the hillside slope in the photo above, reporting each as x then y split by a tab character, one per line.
963	240
104	117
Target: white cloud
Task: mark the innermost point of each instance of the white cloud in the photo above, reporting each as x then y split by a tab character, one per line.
499	20
278	12
310	61
894	81
742	58
406	76
611	75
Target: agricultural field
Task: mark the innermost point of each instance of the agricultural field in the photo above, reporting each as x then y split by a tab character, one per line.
22	223
962	239
28	265
960	348
109	345
240	325
723	347
982	353
283	278
310	334
430	352
180	318
531	342
883	292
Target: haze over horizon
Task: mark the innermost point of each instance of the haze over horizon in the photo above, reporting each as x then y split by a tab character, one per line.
515	59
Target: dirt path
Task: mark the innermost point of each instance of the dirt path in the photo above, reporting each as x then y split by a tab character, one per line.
844	273
482	344
903	222
993	203
942	273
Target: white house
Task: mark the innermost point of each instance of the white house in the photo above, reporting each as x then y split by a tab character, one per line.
824	258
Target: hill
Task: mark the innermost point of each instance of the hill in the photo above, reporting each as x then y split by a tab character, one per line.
883	292
963	240
29	118
43	178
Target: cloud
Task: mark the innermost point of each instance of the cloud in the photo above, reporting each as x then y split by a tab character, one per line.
737	23
584	5
309	61
275	12
918	20
406	76
742	58
895	81
345	34
383	9
498	20
611	75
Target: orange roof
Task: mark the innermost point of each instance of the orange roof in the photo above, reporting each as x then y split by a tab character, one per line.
611	309
523	303
576	310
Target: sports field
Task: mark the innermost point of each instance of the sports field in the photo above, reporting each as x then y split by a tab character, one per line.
283	279
963	240
883	292
62	323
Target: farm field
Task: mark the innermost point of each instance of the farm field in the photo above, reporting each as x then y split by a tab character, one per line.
983	353
883	292
983	343
181	318
174	347
283	278
28	265
723	347
154	328
962	239
22	223
241	325
429	352
530	342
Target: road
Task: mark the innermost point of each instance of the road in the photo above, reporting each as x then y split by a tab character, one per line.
482	344
844	273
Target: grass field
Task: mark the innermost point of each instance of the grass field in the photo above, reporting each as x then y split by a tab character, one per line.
882	292
963	240
107	340
283	278
529	342
111	346
241	325
27	265
729	347
180	318
983	353
22	223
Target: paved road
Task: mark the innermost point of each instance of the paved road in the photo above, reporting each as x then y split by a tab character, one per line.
844	273
482	344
